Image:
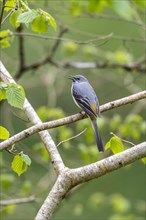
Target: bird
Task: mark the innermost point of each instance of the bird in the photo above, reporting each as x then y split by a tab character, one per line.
85	98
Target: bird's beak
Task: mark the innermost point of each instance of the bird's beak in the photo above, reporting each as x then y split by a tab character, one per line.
71	77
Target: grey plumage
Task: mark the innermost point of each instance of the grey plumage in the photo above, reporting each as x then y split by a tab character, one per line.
85	97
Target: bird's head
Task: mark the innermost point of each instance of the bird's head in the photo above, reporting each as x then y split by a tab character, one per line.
78	78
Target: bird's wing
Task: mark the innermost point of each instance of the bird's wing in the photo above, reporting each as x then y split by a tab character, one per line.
85	105
97	105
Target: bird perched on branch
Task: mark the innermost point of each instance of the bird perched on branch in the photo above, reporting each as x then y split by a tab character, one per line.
85	98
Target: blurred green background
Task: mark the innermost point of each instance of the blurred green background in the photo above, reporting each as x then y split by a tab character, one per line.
120	194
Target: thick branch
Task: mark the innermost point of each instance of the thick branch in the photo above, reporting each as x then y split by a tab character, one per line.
68	120
17	201
34	119
72	177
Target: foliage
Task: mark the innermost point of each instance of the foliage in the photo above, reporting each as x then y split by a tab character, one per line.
115	144
4	134
84	45
13	93
20	163
122	8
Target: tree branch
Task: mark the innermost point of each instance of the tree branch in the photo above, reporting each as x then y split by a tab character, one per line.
17	201
21	51
72	177
47	59
68	120
138	65
116	18
2	12
34	119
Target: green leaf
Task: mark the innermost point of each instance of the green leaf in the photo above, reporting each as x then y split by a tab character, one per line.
4	134
26	187
11	4
76	8
13	18
15	95
116	145
70	48
123	8
7	181
18	165
140	3
5	39
144	160
97	6
52	21
39	24
120	204
49	18
27	17
26	159
2	94
108	144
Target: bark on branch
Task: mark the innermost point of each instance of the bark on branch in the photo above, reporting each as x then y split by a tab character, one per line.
68	120
34	119
72	177
68	178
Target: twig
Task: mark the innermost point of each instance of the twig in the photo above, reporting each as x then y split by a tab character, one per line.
128	142
111	17
58	41
61	142
21	51
2	12
7	16
47	59
96	38
17	201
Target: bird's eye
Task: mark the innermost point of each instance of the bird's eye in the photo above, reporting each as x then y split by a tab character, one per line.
78	78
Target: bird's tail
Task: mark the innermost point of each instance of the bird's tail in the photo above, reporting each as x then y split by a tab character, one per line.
97	136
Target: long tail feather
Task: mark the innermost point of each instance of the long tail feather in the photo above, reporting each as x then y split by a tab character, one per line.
97	136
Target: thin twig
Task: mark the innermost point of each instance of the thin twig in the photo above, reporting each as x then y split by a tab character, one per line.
7	16
62	142
128	142
47	59
58	41
111	17
17	201
96	38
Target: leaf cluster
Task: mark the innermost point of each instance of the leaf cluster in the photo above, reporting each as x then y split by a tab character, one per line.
21	13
